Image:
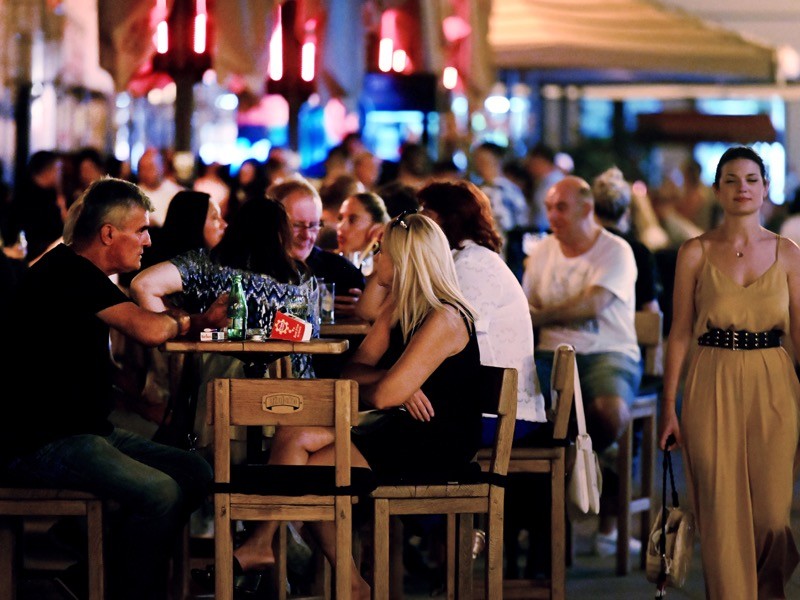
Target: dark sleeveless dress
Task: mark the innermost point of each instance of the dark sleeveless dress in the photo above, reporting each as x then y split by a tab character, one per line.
400	446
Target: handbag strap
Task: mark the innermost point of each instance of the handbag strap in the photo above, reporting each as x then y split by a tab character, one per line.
577	395
666	468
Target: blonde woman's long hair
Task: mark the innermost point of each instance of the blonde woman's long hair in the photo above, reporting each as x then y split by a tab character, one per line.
424	273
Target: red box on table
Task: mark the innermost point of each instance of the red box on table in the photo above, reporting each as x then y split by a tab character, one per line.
287	327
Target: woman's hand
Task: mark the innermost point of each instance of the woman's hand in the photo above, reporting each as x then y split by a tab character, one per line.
670	426
419	407
344	304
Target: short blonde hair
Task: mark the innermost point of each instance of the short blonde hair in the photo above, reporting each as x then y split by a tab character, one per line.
424	273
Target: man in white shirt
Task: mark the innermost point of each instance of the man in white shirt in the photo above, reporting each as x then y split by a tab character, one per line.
580	284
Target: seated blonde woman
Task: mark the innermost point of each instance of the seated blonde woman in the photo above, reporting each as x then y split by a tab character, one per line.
419	362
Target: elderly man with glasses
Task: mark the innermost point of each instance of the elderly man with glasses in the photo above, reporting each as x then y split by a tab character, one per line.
304	207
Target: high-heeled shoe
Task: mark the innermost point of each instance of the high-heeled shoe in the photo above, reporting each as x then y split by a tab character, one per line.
246	584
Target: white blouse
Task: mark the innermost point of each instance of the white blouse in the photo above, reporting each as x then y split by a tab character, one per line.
503	323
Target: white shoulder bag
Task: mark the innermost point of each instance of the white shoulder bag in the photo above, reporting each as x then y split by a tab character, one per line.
586	479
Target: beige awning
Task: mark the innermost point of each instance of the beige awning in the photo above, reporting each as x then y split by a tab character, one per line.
630	35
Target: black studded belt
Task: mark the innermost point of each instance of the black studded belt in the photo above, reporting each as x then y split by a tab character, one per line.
741	339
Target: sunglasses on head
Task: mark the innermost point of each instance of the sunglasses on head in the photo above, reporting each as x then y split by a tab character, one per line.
400	219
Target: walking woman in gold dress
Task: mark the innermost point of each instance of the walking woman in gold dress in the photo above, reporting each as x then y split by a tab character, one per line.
736	301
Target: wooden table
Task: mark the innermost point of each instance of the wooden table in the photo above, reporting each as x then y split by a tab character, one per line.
345	327
312	346
183	392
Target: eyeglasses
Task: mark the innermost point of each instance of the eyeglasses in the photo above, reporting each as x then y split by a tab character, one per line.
310	227
400	219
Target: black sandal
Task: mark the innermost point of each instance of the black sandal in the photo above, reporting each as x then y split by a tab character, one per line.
246	584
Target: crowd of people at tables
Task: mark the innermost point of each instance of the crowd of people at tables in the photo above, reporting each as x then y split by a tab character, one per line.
430	258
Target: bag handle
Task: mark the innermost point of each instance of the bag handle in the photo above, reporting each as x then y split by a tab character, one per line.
577	395
666	468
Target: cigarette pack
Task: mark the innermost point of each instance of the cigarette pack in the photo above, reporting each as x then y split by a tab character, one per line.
287	327
212	335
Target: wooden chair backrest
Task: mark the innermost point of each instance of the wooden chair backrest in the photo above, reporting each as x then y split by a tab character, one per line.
499	397
289	402
649	335
562	390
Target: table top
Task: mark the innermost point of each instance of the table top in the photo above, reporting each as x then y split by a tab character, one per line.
312	346
345	327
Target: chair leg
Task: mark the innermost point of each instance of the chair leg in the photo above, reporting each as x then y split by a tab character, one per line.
648	469
281	562
494	544
624	495
223	549
558	529
450	556
465	526
344	546
8	538
94	520
380	548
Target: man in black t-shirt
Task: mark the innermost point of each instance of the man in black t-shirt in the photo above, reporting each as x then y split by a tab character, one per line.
56	431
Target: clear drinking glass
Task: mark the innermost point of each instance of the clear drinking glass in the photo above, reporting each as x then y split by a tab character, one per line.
327	297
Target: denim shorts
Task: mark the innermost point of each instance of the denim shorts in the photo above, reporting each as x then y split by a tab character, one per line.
601	374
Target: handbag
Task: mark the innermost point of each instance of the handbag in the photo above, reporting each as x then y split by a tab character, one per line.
669	548
585	483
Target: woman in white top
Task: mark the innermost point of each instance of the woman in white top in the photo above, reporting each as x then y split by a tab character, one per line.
505	332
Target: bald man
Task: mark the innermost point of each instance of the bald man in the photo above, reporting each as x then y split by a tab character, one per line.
580	282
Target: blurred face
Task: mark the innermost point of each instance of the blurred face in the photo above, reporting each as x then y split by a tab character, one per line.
247	173
128	240
356	227
367	169
565	211
305	219
485	164
88	172
150	170
214	227
741	189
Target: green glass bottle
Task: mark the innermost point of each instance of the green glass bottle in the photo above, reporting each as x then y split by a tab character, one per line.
237	311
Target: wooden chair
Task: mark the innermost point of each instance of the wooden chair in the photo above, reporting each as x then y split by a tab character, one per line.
459	501
284	493
17	503
644	409
549	458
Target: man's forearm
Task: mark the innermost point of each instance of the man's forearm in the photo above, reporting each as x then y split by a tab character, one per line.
577	309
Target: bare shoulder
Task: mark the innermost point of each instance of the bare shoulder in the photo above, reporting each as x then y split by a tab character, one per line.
691	252
447	326
789	255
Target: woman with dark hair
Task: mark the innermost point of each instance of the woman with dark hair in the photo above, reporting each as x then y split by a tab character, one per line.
361	220
255	246
737	296
250	182
193	221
